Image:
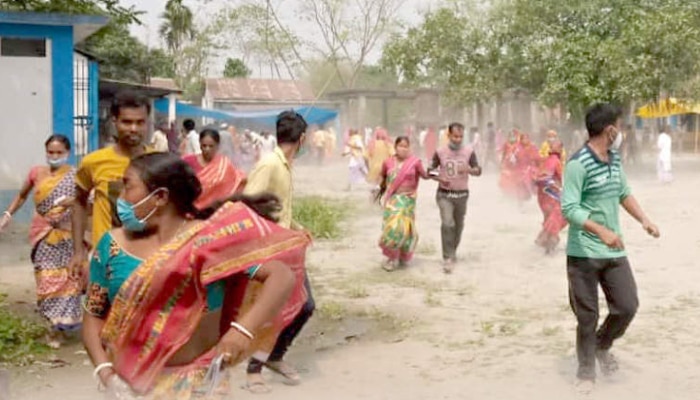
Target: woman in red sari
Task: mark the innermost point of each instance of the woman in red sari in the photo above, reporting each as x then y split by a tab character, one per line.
219	178
548	197
204	293
518	165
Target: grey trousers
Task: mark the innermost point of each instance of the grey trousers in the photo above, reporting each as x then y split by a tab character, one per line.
614	275
453	209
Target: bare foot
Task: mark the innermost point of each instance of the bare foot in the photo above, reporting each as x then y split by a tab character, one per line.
287	371
54	340
584	387
256	384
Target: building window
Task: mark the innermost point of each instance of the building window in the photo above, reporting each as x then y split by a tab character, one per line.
13	47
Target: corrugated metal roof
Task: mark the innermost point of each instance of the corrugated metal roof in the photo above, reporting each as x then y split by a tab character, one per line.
164	83
226	89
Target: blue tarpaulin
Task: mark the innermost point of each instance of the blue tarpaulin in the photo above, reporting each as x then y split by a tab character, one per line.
312	115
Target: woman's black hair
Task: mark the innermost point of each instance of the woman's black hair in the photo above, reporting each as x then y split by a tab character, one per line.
58	138
166	170
402	139
212	133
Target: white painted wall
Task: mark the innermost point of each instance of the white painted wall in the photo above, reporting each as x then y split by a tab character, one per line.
25	115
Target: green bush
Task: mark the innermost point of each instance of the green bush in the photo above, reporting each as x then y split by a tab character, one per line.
322	217
20	338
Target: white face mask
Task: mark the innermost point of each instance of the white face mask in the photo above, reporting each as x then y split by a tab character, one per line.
617	142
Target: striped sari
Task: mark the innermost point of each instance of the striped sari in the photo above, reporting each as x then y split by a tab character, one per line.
219	178
58	295
160	305
399	237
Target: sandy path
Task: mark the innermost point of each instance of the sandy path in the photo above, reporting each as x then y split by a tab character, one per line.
498	328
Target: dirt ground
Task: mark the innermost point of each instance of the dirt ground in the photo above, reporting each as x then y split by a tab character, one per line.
498	328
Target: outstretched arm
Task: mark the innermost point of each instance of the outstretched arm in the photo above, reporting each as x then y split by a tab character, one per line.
17	203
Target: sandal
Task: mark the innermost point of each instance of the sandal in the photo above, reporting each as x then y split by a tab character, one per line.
257	385
389	266
288	372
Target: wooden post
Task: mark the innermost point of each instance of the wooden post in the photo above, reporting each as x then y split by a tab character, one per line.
4	384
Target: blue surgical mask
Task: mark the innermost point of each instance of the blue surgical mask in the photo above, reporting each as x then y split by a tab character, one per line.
56	163
127	215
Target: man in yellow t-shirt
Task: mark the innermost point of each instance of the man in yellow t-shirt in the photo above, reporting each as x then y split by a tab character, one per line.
103	171
273	174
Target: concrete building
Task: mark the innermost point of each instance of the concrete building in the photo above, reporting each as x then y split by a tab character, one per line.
47	88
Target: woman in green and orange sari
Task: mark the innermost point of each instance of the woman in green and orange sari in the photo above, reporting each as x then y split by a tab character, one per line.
171	296
399	187
58	292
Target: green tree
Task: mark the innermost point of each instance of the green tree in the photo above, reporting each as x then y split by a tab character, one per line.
178	25
189	48
564	52
236	68
254	31
123	57
112	8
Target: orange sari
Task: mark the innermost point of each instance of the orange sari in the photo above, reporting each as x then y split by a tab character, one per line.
220	179
160	305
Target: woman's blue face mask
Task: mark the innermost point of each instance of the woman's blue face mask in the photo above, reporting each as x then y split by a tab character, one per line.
127	214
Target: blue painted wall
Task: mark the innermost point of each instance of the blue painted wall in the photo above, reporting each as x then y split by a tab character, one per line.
62	81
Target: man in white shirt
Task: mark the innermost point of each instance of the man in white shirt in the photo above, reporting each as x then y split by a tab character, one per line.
192	138
268	142
663	162
226	146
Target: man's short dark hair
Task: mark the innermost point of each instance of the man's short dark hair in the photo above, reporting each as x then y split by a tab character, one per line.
455	125
600	116
290	127
129	100
189	125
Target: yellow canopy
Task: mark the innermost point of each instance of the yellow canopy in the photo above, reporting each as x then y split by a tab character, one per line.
668	107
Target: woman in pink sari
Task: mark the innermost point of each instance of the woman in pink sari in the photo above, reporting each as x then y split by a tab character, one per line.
399	187
219	178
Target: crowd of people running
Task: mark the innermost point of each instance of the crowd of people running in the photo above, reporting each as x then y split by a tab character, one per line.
193	261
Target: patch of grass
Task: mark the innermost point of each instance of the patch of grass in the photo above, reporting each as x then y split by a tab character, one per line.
551	330
20	338
426	248
321	216
357	292
510	328
332	310
487	328
431	300
465	291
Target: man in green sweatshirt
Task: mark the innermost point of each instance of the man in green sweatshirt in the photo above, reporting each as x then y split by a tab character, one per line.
595	186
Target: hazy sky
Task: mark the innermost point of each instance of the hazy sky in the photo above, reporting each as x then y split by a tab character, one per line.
410	13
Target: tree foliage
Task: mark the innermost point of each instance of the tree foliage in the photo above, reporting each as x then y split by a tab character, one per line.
254	31
111	8
236	68
189	48
177	26
565	52
123	57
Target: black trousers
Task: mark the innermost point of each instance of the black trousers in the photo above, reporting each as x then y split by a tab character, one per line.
287	336
615	278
